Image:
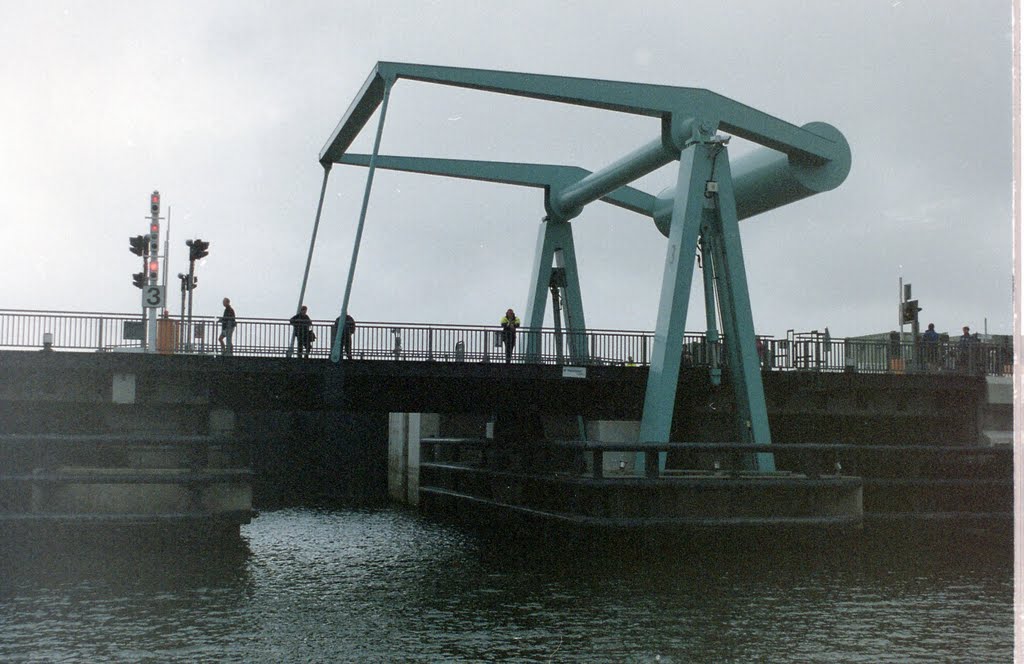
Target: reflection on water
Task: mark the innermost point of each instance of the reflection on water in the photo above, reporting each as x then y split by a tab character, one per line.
385	585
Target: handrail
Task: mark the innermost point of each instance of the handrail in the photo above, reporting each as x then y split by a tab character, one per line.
415	341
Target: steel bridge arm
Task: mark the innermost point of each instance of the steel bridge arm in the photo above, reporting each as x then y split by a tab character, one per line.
675	105
543	176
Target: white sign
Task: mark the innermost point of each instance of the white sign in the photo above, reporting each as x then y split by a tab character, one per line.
152	297
574	372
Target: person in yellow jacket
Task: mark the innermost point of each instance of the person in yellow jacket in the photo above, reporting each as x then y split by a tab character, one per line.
509	323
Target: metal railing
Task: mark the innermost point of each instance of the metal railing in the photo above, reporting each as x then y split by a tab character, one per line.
269	337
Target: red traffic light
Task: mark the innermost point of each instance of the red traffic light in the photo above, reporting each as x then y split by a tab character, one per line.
154	266
154	203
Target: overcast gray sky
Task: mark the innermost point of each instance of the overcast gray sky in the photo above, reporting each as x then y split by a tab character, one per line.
225	106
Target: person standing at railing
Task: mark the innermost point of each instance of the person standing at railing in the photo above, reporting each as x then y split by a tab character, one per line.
509	324
346	335
346	338
931	347
303	333
967	349
227	329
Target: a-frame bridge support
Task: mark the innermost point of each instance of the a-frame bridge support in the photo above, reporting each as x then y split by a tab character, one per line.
710	197
705	210
556	255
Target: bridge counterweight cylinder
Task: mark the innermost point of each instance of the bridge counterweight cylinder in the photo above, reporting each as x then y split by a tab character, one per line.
766	179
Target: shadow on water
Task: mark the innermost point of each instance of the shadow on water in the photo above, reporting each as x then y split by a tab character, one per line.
123	560
900	550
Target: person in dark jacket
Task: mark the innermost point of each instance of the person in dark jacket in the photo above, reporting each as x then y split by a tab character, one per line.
346	334
303	332
227	329
509	324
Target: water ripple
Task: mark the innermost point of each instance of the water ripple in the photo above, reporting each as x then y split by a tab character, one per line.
385	585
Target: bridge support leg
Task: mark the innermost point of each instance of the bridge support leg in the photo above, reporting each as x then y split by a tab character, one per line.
737	318
688	212
711	309
701	212
555	247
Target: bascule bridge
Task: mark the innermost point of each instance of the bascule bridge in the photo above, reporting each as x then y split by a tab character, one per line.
699	216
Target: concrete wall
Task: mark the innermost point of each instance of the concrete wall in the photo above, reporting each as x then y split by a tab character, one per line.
405	431
615	431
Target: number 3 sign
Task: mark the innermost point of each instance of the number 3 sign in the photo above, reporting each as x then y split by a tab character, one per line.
153	297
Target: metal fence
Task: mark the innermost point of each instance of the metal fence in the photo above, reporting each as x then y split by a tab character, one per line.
268	337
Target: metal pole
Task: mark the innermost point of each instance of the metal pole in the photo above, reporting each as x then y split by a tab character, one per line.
556	310
336	352
312	244
167	251
182	330
899	309
188	328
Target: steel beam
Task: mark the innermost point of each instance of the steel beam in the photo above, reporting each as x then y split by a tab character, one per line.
660	101
569	201
737	317
659	401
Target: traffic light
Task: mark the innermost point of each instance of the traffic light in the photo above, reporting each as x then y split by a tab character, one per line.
909	311
154	204
184	282
197	249
139	279
154	268
139	245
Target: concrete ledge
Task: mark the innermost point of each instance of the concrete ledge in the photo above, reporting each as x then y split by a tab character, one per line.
999	389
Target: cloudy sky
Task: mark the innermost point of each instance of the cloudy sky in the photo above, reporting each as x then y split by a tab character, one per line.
224	108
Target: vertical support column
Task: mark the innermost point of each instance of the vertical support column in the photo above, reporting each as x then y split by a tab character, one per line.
737	318
710	306
405	431
555	243
536	299
687	214
572	303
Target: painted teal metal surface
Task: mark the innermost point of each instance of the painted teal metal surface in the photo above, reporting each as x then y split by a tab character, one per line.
723	233
707	203
550	177
555	248
766	179
675	105
677	275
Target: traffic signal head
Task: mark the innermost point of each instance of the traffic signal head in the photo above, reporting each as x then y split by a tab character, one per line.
139	245
197	249
154	268
139	279
154	204
909	311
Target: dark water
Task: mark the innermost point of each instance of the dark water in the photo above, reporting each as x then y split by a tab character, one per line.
386	586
